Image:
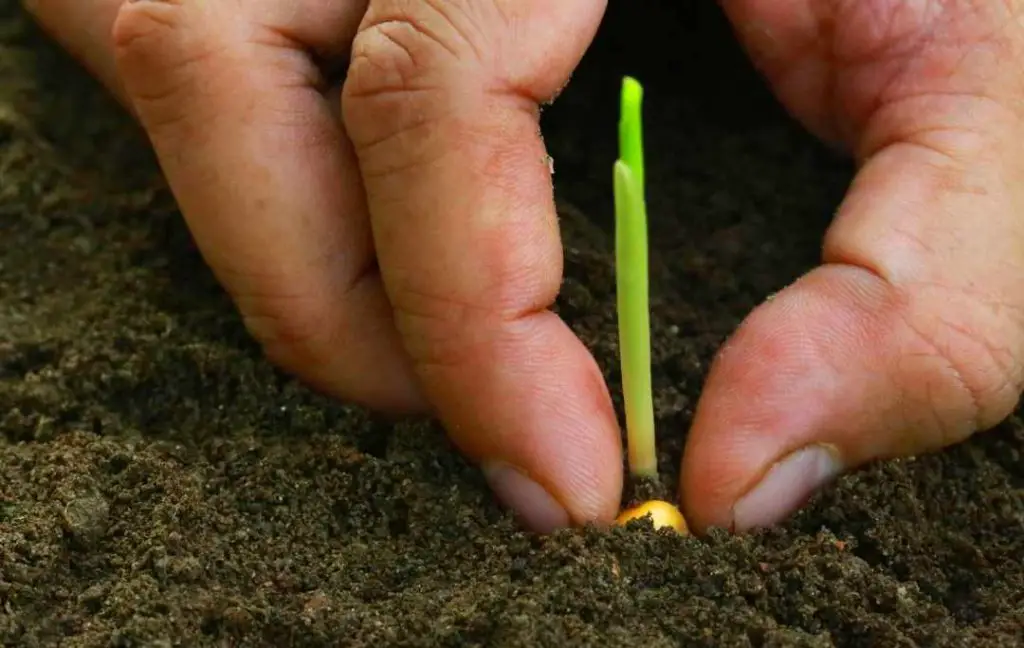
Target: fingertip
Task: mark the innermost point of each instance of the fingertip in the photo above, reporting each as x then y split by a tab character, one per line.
538	509
540	422
795	396
831	374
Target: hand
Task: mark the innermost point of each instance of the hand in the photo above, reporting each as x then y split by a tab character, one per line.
403	256
910	336
907	339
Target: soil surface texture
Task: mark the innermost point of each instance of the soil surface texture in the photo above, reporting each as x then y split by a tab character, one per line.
162	485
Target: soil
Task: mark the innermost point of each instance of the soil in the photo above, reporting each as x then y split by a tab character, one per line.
162	485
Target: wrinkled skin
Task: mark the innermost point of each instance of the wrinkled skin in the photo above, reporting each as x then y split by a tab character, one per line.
397	246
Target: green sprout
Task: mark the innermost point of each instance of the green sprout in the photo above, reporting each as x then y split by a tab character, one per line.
631	268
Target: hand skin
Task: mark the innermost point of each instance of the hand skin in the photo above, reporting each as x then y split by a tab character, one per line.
402	252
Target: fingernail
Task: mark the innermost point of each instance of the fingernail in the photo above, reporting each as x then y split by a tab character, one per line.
787	485
529	500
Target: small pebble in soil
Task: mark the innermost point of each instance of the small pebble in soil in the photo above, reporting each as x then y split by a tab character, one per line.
85	519
661	513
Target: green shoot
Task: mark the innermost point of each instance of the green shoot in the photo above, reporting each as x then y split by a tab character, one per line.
631	269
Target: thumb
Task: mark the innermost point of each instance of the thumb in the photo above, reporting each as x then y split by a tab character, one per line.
441	102
908	339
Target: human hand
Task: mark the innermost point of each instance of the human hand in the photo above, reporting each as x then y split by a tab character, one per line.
403	256
910	336
907	339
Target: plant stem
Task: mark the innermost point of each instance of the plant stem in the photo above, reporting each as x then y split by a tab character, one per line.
632	285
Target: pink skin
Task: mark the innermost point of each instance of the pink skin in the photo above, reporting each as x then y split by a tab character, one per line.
908	338
414	269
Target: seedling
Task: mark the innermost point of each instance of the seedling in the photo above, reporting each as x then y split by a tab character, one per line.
632	288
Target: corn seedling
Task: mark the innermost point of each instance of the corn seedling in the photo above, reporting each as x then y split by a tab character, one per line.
632	292
631	269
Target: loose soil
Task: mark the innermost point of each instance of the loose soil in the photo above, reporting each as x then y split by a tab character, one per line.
161	485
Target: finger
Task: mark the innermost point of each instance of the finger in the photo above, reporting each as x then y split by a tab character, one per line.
908	339
82	27
441	102
266	180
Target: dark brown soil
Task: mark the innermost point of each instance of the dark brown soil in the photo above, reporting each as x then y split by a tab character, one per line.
161	485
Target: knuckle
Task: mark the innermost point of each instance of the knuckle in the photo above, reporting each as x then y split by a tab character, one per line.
440	331
146	32
456	326
983	373
399	141
392	56
160	48
293	331
398	90
400	44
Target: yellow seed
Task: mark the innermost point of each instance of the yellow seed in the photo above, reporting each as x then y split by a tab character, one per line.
662	514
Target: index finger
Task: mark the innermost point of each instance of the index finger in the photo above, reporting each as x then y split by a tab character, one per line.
441	103
233	103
